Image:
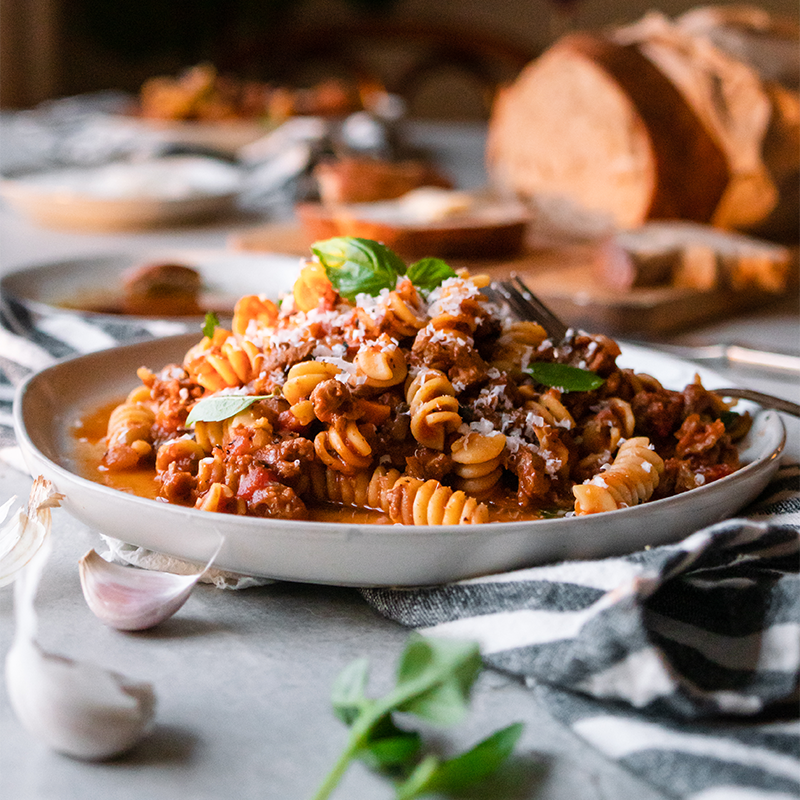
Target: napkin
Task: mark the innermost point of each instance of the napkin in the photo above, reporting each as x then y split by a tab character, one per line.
680	662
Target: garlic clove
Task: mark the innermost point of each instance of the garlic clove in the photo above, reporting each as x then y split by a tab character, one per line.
24	533
77	708
133	599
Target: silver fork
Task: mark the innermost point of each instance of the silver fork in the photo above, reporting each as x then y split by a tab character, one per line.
524	303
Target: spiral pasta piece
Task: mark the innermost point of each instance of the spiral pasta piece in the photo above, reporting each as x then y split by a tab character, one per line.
632	478
129	433
312	286
413	501
456	310
548	409
380	363
478	460
612	423
304	377
342	447
398	313
517	343
253	307
433	408
230	364
209	435
362	490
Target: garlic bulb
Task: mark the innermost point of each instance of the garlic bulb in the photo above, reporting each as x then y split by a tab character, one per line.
133	599
77	708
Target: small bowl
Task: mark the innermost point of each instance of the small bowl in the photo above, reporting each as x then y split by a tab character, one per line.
495	231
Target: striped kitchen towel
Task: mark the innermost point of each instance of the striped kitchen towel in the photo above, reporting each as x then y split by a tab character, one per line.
681	662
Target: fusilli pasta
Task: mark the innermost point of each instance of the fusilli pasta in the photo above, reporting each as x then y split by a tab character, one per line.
403	391
631	479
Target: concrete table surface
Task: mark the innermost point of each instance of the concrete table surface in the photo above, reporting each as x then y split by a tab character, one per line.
243	678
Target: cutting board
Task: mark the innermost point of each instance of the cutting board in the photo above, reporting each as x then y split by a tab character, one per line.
563	277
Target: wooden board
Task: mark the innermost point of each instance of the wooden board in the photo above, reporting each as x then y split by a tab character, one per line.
564	279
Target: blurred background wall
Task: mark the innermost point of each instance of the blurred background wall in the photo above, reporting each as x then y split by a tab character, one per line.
443	50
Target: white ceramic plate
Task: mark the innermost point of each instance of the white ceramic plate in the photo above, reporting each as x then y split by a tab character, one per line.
126	196
58	294
48	404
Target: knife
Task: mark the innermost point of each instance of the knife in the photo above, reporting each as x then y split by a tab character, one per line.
732	354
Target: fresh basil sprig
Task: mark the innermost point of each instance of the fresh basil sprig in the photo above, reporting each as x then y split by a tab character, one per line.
221	407
434	680
565	377
210	323
362	266
358	266
429	273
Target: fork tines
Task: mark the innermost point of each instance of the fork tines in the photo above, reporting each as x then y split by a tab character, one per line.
527	306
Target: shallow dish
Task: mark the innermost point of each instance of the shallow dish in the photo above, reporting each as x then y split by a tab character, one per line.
49	403
53	297
126	196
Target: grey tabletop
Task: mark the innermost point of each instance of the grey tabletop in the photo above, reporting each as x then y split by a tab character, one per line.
243	678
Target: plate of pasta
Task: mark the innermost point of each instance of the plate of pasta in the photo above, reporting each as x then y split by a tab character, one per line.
385	424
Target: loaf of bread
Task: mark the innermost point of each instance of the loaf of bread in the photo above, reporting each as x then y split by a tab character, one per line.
766	42
696	256
649	121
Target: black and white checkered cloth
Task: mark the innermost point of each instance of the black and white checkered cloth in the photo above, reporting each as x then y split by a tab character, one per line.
681	663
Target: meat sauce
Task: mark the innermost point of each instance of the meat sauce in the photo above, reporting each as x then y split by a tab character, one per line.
89	446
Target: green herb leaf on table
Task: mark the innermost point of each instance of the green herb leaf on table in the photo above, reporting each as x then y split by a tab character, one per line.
429	273
358	266
434	680
349	691
210	323
389	752
447	670
565	377
456	775
221	407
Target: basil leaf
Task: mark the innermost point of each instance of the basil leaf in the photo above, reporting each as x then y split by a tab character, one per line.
434	679
211	322
457	774
416	784
358	266
445	671
429	273
348	695
565	377
216	409
391	752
